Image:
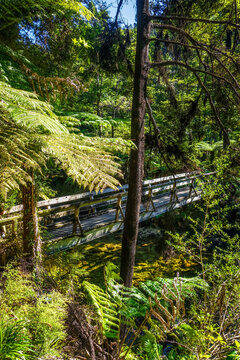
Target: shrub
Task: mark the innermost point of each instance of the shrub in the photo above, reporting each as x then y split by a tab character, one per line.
15	342
42	314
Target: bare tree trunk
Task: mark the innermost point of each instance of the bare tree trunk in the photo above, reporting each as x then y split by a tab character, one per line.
32	244
130	231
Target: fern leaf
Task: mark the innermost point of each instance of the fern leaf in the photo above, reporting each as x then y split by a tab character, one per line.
108	314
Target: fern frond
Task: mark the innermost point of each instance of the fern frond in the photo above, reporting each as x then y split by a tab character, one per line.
84	161
205	146
15	11
27	110
106	310
18	152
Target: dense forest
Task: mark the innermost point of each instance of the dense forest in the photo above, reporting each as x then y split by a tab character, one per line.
101	120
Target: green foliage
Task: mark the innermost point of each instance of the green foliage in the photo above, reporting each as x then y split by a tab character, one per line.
15	343
159	302
83	158
18	150
47	322
14	13
40	316
137	300
148	346
106	310
213	242
67	271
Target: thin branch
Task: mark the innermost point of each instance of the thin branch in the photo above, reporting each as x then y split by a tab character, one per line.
194	71
157	133
222	53
180	63
194	41
118	11
200	47
206	21
149	109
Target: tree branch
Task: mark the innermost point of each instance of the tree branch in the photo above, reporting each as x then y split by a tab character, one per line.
118	11
200	47
203	86
194	41
206	21
189	67
157	133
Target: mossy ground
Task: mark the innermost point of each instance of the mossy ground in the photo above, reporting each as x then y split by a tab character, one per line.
89	260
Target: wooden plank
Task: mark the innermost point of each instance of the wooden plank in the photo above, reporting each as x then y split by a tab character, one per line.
76	197
9	220
167	178
86	195
103	201
64	244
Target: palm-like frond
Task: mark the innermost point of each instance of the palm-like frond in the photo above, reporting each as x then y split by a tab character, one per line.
27	110
205	146
84	160
18	152
12	12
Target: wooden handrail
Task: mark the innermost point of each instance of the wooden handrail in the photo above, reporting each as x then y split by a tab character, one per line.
84	196
68	204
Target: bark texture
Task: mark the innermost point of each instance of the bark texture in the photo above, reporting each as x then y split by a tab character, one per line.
130	231
32	244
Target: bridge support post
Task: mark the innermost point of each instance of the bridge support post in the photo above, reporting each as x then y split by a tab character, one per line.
192	188
150	199
92	209
14	228
119	208
76	222
174	196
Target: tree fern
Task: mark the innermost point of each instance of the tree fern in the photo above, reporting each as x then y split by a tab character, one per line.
18	151
86	160
205	146
12	12
19	72
31	132
27	110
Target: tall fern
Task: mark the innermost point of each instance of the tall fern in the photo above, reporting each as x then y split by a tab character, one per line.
106	310
12	12
18	151
31	131
132	303
85	159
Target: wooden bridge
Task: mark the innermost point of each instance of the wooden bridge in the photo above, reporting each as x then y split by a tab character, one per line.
76	219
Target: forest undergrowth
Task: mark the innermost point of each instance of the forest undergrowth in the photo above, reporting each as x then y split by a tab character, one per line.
184	303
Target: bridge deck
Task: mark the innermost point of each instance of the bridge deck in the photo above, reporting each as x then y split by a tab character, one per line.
75	219
104	223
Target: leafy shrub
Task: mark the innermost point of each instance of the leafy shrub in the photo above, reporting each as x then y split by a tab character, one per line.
42	314
15	342
66	270
151	312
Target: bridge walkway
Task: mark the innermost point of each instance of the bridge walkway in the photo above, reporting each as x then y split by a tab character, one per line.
77	219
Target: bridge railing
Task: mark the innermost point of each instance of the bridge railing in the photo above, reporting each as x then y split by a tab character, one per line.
58	212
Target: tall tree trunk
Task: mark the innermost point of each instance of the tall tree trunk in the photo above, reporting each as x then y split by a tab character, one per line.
32	245
130	231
